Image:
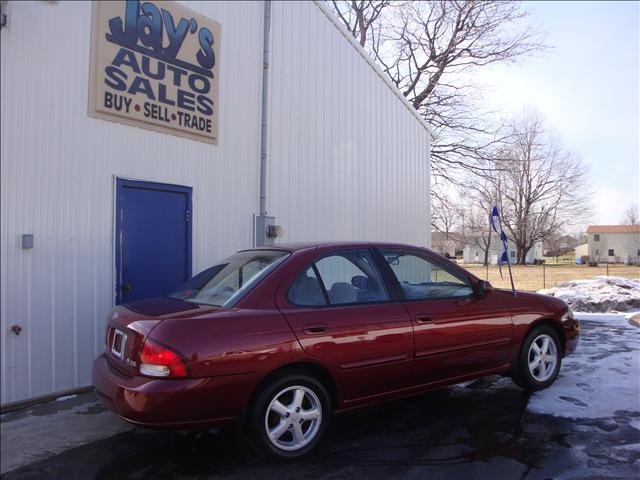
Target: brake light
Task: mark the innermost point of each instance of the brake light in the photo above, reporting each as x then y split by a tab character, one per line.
157	360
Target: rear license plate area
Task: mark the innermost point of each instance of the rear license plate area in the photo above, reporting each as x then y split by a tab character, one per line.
118	342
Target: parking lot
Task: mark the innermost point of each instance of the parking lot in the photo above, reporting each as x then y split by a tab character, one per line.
484	429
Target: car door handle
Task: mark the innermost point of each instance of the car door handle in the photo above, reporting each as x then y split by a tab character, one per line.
316	329
424	319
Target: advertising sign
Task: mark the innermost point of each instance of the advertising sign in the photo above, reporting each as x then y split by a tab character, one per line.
155	65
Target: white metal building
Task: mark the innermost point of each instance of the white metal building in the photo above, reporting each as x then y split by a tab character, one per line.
348	158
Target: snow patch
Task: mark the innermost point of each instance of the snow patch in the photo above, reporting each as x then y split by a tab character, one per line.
598	294
601	377
66	397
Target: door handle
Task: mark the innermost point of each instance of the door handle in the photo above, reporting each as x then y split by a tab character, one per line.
127	287
316	329
424	319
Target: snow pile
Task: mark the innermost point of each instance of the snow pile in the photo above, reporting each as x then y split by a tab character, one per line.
602	378
598	294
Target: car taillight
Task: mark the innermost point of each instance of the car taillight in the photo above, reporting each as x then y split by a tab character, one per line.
157	360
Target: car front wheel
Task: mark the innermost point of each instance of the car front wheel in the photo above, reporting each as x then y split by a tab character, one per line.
289	416
540	359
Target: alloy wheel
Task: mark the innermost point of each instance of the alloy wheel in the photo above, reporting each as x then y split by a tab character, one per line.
293	418
542	358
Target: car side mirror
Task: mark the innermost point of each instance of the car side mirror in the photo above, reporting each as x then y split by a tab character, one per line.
484	287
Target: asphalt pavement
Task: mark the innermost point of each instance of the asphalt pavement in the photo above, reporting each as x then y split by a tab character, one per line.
478	430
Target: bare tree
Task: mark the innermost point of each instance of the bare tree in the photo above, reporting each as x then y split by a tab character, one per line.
630	216
359	16
430	51
541	187
600	251
479	195
445	215
446	219
556	244
477	233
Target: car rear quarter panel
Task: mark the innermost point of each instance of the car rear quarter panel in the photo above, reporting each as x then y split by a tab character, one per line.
230	342
242	346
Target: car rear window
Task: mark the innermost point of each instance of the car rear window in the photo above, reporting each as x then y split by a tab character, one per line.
227	282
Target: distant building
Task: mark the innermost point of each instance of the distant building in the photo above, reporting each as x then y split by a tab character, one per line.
474	251
559	246
446	244
614	243
582	250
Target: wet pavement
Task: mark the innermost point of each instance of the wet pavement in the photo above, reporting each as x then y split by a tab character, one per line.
479	430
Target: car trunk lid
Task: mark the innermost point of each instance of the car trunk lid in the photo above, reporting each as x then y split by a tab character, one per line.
130	324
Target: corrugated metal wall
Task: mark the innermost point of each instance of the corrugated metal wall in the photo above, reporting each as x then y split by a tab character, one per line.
58	169
348	160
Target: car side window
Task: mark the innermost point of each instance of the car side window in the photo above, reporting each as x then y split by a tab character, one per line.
348	277
351	277
421	279
307	290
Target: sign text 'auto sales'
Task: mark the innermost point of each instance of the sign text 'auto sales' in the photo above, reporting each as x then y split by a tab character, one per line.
156	66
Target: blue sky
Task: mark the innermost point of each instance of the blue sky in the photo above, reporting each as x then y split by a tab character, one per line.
588	88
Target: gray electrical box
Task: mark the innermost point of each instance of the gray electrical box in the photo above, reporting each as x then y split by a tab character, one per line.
26	241
262	224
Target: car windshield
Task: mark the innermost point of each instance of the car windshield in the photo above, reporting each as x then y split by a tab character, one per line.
224	284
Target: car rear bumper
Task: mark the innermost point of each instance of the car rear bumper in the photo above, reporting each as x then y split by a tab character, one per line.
172	403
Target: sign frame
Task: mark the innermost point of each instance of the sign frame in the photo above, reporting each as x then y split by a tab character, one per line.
97	78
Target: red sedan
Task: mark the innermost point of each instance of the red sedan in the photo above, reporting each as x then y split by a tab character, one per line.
281	337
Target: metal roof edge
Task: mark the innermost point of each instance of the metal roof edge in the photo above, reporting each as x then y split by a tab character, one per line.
375	67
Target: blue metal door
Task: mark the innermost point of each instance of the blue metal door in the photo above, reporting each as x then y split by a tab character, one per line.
153	239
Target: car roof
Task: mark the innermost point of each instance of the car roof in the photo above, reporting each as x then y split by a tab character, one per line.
295	246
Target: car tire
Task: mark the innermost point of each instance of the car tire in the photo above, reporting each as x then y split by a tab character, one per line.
289	416
539	360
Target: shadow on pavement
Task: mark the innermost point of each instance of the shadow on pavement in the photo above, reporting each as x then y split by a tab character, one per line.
474	431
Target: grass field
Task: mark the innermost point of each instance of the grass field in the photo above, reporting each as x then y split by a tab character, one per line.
537	277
